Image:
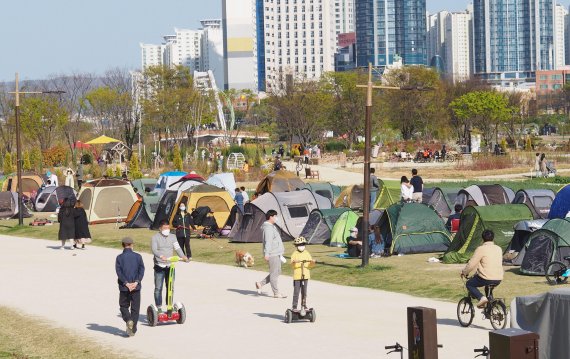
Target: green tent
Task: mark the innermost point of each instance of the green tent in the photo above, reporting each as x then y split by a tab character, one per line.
325	189
145	187
341	229
499	218
384	199
320	224
413	228
549	243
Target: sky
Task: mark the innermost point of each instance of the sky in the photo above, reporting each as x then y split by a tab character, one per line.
40	38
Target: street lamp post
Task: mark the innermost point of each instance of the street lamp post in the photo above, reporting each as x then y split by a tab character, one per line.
17	94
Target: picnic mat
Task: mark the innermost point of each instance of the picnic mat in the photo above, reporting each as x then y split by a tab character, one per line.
342	255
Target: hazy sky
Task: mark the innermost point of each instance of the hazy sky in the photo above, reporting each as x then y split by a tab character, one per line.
43	37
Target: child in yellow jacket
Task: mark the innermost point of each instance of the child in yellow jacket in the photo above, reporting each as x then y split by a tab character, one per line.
301	261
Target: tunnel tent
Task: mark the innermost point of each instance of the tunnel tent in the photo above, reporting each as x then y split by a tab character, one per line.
107	200
293	209
561	205
138	216
341	229
547	244
401	229
442	200
484	195
49	198
9	206
324	189
538	200
474	220
279	181
319	226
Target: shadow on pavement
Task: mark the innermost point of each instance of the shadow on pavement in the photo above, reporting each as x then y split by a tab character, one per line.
455	323
271	316
252	293
106	329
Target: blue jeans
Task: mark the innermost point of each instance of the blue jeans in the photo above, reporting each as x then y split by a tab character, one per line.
475	282
160	277
373	195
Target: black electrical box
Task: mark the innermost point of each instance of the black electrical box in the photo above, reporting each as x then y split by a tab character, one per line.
513	343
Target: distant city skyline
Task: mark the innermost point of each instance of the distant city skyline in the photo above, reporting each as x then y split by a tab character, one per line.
43	38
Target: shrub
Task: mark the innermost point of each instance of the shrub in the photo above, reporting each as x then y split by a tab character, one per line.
87	158
27	165
8	167
96	171
118	171
487	162
55	156
177	158
134	167
110	173
295	152
36	159
335	146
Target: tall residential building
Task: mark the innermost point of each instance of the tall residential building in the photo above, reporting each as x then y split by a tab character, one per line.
560	36
186	48
567	37
152	55
512	39
458	46
435	36
385	28
299	39
344	16
240	60
212	49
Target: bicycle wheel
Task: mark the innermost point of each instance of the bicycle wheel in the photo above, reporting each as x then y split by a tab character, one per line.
450	158
498	314
299	167
465	311
554	271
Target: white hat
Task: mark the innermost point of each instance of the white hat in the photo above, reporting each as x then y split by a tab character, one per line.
354	229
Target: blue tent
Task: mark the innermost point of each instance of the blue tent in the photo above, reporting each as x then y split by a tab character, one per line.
561	205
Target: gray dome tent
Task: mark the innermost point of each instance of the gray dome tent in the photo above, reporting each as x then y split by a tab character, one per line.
48	199
550	243
9	205
442	200
538	200
484	195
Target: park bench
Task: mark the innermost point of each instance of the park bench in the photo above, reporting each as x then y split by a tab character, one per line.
309	173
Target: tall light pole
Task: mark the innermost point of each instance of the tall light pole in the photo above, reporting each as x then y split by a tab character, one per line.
17	94
367	139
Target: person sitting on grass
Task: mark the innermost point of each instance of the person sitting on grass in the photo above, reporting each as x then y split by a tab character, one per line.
488	259
457	215
354	245
376	242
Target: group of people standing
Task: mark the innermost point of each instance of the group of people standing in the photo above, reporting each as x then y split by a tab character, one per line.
73	224
412	190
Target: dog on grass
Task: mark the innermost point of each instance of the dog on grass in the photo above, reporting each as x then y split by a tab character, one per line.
244	259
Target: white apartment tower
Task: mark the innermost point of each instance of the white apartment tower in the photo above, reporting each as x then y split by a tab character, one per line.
152	55
186	48
560	17
212	49
299	39
344	16
435	36
458	46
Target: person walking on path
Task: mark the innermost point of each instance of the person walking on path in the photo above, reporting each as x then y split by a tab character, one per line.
374	187
302	262
82	233
162	244
130	272
66	220
418	183
488	259
244	194
183	223
239	200
273	253
543	168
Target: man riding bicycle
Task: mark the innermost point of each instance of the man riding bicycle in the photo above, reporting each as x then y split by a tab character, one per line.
488	259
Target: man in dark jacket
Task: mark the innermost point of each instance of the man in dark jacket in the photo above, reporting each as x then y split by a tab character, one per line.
130	271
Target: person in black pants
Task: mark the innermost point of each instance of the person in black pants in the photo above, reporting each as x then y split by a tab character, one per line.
130	272
183	222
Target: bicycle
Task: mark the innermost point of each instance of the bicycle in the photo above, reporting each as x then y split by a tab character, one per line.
484	352
300	164
557	272
495	310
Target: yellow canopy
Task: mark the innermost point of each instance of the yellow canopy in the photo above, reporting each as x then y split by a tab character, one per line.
102	140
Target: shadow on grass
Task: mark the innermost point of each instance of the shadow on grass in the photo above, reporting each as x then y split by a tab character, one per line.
455	323
106	329
251	293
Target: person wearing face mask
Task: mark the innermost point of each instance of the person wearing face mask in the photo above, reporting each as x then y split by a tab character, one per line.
354	245
302	262
273	252
183	223
162	245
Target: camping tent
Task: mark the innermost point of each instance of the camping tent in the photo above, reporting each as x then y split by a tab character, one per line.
325	189
205	195
320	224
549	243
107	200
145	187
138	216
484	195
226	181
168	200
165	180
538	200
293	209
351	197
474	220
384	199
31	183
514	253
279	181
442	200
413	228
341	229
9	206
48	200
561	204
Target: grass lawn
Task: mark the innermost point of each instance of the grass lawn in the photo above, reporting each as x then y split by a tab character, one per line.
17	330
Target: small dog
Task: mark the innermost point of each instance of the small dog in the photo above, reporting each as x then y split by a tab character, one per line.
244	259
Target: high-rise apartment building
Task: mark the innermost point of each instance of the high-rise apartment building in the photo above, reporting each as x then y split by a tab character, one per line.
560	17
185	48
567	37
385	28
344	16
240	57
512	39
152	55
212	49
458	46
435	36
299	39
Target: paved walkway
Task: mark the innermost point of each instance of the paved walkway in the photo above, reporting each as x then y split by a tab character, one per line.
226	319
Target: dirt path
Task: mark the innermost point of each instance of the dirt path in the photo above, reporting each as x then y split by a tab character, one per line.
77	290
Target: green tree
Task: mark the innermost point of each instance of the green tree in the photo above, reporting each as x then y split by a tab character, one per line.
177	158
8	167
27	165
36	159
118	171
42	120
134	167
